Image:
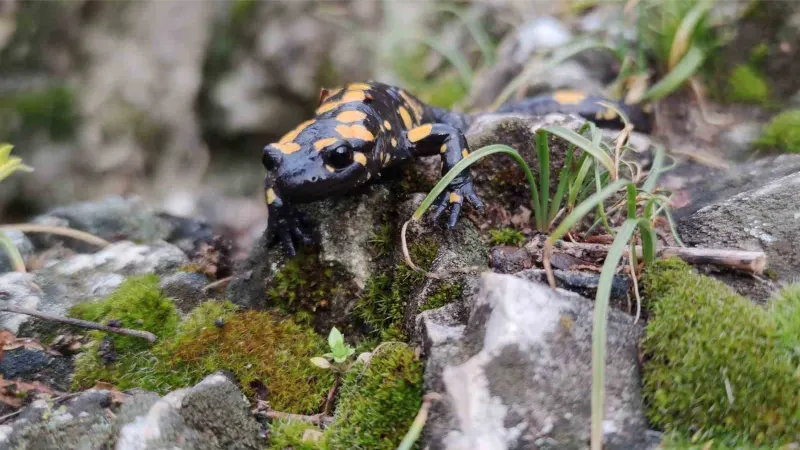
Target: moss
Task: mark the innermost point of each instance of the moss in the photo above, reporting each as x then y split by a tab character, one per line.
746	84
51	110
289	435
377	407
304	284
381	240
785	308
137	303
677	441
706	345
506	236
443	294
385	297
782	132
253	345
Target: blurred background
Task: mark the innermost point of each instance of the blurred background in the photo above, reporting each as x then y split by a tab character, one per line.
174	100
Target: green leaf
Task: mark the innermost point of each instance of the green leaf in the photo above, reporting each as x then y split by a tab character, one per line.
584	207
335	338
584	144
683	36
13	253
676	77
656	169
543	154
321	362
631	201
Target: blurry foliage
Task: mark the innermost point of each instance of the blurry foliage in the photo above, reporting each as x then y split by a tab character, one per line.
782	132
747	85
51	111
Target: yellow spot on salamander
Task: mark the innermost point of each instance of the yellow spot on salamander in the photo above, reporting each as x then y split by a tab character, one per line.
292	135
356	131
406	117
330	169
569	96
353	96
415	107
419	133
270	194
360	158
387	125
455	198
325	107
443	148
394	142
287	147
361	86
322	143
464	153
351	116
607	114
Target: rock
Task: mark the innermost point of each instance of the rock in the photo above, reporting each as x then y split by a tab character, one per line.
738	140
507	259
22	243
580	282
518	374
56	287
186	289
117	218
766	218
36	365
211	415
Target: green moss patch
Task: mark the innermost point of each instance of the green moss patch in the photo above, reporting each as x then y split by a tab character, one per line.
782	132
746	84
289	435
138	304
443	294
51	110
377	407
506	236
716	363
385	297
254	345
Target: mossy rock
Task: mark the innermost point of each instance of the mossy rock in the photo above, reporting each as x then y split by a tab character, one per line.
782	132
717	363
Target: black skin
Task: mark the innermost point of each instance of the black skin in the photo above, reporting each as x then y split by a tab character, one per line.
334	153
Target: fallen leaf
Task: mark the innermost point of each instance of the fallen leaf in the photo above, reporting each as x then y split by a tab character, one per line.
13	392
117	396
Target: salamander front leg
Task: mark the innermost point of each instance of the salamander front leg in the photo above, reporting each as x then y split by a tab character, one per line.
285	223
430	139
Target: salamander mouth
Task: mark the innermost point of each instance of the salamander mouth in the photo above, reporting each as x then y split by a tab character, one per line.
322	184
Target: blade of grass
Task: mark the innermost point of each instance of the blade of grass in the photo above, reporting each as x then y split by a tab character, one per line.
14	256
577	185
672	228
676	77
631	201
655	170
563	181
537	66
543	153
683	36
584	144
601	209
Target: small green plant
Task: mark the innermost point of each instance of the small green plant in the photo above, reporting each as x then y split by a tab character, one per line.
506	236
337	358
747	85
782	132
8	165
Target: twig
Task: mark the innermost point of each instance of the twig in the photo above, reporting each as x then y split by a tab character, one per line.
747	261
61	231
78	322
217	284
419	422
317	419
328	407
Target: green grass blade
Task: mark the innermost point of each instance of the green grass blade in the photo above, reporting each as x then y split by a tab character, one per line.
543	153
631	201
584	208
468	161
599	326
537	66
601	209
13	253
584	144
655	171
577	185
672	228
676	77
683	35
649	240
564	176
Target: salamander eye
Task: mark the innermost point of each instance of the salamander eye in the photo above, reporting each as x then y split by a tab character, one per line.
340	157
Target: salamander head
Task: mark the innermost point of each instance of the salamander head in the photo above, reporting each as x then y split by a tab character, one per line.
312	162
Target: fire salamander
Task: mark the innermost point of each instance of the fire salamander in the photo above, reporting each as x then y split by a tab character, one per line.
364	128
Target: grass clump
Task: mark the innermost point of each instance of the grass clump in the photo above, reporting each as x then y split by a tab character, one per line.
716	362
782	132
506	236
747	85
377	404
138	304
385	297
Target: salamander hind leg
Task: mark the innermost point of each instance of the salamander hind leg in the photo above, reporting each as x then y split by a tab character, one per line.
450	143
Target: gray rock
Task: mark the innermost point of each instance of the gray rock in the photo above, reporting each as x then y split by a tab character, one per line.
212	415
186	288
36	365
508	259
766	219
22	243
738	140
57	287
518	374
